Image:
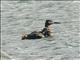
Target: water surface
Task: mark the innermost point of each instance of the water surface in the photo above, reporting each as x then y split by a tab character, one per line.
28	16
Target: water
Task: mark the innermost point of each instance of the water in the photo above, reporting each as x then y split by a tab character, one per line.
27	16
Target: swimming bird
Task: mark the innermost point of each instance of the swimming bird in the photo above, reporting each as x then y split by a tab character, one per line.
45	32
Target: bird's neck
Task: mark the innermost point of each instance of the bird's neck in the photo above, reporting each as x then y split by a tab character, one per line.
49	26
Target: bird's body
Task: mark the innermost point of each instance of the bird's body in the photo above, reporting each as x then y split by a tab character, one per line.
45	32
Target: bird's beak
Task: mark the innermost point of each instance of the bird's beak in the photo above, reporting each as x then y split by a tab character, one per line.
57	23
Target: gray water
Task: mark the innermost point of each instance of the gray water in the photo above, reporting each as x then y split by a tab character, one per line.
27	16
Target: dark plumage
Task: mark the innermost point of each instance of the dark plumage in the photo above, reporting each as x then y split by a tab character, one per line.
37	35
